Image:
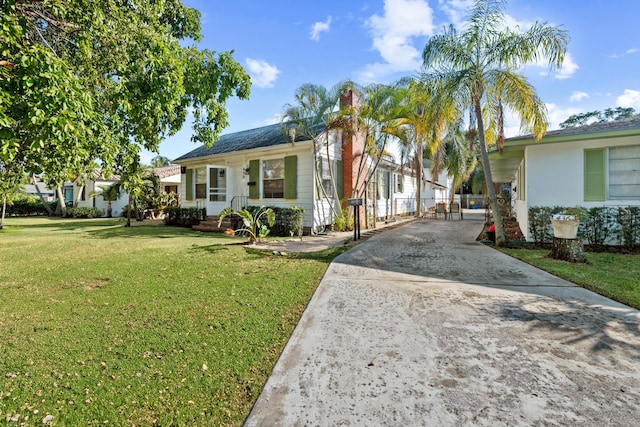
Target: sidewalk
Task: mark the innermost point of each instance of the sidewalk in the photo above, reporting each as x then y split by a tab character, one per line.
423	326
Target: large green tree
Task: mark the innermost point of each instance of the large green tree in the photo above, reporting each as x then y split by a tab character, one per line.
80	79
608	115
478	68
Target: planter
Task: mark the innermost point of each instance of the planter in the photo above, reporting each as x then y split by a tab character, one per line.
565	226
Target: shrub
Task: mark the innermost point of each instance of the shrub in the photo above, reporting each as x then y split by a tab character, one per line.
84	213
540	224
628	230
288	221
184	217
26	205
596	225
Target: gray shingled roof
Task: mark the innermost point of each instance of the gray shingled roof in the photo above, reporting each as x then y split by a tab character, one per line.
265	136
593	128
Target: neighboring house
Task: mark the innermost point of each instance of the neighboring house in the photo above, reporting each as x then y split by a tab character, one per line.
594	165
90	198
169	178
48	194
268	167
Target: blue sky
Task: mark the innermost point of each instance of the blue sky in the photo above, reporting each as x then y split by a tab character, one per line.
286	43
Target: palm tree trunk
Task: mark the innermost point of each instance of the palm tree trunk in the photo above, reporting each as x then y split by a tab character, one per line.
493	199
419	177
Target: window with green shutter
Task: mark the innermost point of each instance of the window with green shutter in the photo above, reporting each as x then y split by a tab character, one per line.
594	175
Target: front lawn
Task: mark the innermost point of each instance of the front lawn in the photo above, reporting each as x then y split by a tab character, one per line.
147	325
610	274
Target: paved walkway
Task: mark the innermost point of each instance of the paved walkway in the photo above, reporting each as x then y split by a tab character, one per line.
423	326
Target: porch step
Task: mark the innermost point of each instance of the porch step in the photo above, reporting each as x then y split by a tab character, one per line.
210	225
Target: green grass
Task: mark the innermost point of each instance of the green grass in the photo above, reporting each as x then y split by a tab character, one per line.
147	325
610	274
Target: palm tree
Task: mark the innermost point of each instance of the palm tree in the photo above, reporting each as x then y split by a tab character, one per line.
421	127
314	114
477	67
456	157
109	193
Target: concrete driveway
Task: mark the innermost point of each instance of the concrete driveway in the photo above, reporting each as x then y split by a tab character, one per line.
422	326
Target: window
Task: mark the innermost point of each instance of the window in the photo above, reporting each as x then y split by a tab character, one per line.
217	184
273	179
201	183
612	173
624	172
398	183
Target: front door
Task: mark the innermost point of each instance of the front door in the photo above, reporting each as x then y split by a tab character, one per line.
216	189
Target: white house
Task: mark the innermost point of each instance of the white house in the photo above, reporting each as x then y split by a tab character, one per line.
90	196
589	166
269	167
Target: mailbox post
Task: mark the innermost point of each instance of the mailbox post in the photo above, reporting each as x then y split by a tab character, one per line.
356	203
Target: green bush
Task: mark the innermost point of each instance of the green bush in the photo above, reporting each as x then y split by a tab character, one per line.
288	221
26	205
184	217
597	225
84	213
628	230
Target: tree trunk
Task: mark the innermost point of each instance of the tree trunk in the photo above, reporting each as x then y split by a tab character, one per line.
4	207
44	202
62	207
571	250
493	199
76	202
129	213
419	177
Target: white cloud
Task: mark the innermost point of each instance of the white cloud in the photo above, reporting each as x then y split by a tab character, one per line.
393	35
320	27
633	50
456	10
630	98
569	67
577	96
262	73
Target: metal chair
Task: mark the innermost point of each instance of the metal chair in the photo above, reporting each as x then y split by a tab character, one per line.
455	209
441	208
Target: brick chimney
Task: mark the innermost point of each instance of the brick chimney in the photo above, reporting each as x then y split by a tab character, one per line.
352	151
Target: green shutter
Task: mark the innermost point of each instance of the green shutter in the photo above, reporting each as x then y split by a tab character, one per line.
340	178
291	177
254	177
378	189
189	184
594	175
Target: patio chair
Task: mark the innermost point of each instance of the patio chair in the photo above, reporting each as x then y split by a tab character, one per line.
455	209
441	208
